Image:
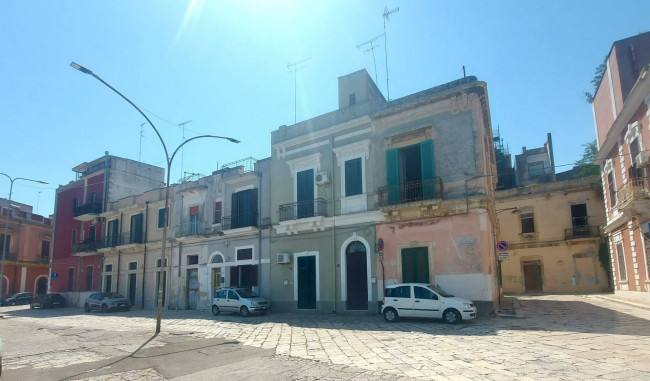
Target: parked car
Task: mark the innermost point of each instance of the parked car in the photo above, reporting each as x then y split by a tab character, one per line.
17	298
48	301
106	301
238	300
425	300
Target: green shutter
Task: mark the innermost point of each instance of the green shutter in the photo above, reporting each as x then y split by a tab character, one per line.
428	169
392	176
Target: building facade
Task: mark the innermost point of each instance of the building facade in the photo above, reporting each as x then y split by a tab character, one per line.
621	115
28	240
78	226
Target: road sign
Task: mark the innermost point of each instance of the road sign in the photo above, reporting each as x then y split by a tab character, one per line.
502	245
503	255
55	275
380	243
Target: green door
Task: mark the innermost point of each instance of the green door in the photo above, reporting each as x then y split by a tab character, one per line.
307	282
305	193
415	265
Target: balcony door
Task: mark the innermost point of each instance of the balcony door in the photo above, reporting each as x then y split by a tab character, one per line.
136	228
244	209
305	193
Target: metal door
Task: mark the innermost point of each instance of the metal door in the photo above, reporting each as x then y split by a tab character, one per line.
132	287
415	265
192	288
307	282
356	273
533	276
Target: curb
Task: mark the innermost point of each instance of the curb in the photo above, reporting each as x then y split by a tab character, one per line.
627	302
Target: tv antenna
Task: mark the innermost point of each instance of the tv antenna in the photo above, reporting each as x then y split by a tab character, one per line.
38	198
183	148
141	136
386	14
371	48
293	68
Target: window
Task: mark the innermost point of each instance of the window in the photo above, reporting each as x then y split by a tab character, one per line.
89	278
113	234
161	218
232	295
244	208
612	189
243	254
192	259
410	173
74	236
75	203
399	292
527	222
158	261
71	279
108	268
136	228
423	293
93	197
220	294
133	265
108	283
622	273
353	177
194	220
6	238
536	168
217	259
579	215
217	212
45	249
353	99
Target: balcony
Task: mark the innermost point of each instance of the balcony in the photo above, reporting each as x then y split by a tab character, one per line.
631	193
87	246
240	220
10	257
412	191
87	212
189	229
130	238
581	232
303	209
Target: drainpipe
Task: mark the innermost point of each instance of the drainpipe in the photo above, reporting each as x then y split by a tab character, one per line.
106	176
333	222
117	281
144	259
259	232
49	279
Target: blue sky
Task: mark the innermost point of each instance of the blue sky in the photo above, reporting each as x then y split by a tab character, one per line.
223	65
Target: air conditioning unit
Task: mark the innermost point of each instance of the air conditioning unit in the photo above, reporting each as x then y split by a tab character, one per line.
284	258
322	178
642	159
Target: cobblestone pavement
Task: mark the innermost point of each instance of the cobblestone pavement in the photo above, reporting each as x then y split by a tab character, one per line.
555	337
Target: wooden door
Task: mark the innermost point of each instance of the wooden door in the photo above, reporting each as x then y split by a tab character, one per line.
533	276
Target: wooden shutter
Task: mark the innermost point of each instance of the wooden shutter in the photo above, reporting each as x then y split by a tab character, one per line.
234	276
428	170
194	210
392	176
253	208
234	211
254	275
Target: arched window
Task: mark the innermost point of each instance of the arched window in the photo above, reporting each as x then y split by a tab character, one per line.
217	259
355	247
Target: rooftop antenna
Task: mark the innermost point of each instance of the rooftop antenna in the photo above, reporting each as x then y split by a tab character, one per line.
386	14
372	47
183	148
293	68
38	198
141	136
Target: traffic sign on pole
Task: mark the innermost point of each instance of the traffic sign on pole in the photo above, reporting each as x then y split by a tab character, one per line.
502	245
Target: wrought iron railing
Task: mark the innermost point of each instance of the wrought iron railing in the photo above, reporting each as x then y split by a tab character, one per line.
303	209
189	229
581	232
240	220
94	208
131	238
634	189
87	245
411	191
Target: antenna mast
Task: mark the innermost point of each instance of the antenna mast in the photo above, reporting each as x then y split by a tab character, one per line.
372	47
141	136
293	68
386	14
183	148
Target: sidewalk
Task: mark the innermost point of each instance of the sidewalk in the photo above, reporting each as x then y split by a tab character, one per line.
639	303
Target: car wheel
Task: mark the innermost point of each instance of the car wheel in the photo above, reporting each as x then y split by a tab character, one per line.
243	311
31	306
104	308
13	303
86	307
390	315
215	310
452	316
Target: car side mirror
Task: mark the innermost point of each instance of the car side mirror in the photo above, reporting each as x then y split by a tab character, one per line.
434	296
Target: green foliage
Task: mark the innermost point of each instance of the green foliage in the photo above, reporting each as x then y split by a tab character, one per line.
598	76
585	166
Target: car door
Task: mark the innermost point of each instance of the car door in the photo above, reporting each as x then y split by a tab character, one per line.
94	301
400	298
425	303
233	299
221	299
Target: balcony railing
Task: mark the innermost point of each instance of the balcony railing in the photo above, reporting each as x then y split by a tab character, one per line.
635	189
240	220
11	257
412	191
303	209
581	232
93	208
189	229
87	246
131	238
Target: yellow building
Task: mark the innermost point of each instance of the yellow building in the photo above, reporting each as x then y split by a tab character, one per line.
553	235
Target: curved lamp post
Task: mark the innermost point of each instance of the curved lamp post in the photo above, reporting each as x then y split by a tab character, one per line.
169	160
4	241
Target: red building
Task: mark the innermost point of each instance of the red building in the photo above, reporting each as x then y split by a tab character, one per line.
79	227
622	119
27	258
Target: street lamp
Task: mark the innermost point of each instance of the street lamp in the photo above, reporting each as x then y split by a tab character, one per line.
4	241
169	160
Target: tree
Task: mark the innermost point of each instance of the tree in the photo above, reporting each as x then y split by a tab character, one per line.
585	166
598	76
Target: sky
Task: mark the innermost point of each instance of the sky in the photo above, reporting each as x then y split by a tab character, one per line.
222	66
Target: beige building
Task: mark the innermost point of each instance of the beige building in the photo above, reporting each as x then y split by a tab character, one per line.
553	235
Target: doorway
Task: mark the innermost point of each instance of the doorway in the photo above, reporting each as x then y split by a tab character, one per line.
415	265
533	276
192	288
356	275
305	193
216	279
132	287
307	282
41	286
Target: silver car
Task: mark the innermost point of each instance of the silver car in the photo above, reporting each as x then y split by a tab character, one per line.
238	300
106	301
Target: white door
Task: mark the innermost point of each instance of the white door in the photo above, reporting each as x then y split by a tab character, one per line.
425	303
401	298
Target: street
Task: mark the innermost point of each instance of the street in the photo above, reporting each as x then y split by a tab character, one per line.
554	337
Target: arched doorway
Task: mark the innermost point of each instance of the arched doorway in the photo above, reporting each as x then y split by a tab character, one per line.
41	285
217	272
356	273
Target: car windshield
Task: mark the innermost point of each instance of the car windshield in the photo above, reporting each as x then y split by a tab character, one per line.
440	291
15	295
111	295
244	293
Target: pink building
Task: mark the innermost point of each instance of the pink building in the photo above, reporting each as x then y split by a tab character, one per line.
28	240
622	122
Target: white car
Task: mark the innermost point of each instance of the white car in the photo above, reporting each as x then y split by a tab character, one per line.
238	300
425	300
